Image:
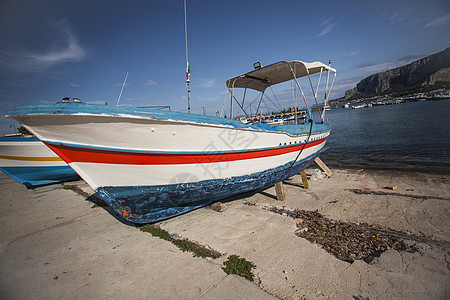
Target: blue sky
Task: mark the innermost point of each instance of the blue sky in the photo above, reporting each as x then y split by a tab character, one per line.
53	49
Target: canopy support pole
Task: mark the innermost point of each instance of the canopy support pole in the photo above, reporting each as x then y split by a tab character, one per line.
314	95
260	100
240	106
327	91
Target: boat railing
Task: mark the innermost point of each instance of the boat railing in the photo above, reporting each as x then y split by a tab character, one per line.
263	77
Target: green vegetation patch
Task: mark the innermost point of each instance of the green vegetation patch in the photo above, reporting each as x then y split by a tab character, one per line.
69	186
198	250
156	231
239	266
183	244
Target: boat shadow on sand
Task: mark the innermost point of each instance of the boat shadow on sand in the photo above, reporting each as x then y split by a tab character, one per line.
98	202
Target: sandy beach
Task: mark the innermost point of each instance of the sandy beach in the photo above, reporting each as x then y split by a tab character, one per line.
57	244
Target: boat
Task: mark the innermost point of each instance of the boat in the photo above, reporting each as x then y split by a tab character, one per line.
244	120
275	121
359	106
30	162
150	165
441	95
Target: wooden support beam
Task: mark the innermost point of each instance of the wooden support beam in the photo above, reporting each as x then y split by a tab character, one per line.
304	179
279	189
323	166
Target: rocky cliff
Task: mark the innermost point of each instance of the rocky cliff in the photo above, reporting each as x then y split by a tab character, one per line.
428	71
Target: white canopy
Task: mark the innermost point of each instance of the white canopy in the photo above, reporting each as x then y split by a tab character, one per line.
282	71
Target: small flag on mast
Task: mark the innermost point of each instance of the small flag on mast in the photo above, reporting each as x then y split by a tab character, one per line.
188	71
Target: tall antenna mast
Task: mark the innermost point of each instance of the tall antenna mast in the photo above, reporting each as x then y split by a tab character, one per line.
188	67
121	90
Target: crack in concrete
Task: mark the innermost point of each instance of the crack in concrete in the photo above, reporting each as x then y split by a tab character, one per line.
422	239
211	287
62	224
420	197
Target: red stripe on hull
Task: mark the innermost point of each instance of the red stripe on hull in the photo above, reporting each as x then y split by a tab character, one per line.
74	154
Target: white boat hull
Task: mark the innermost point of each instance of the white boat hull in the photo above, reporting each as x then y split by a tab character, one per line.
150	168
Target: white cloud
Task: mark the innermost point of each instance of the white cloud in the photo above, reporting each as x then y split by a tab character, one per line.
374	68
378	67
36	62
327	29
149	83
402	18
327	21
74	84
327	25
353	53
211	98
441	21
206	82
340	86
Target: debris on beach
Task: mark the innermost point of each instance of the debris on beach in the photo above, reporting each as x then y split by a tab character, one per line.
420	197
318	175
346	241
391	187
218	206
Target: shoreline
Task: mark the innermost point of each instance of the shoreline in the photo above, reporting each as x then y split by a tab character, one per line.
400	167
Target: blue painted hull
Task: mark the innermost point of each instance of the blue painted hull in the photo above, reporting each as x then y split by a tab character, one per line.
155	203
36	176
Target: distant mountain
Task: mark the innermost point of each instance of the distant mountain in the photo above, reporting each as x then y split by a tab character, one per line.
431	72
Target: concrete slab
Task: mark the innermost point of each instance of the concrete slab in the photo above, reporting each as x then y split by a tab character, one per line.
231	287
56	245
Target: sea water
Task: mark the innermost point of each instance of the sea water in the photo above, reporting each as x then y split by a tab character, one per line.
413	135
